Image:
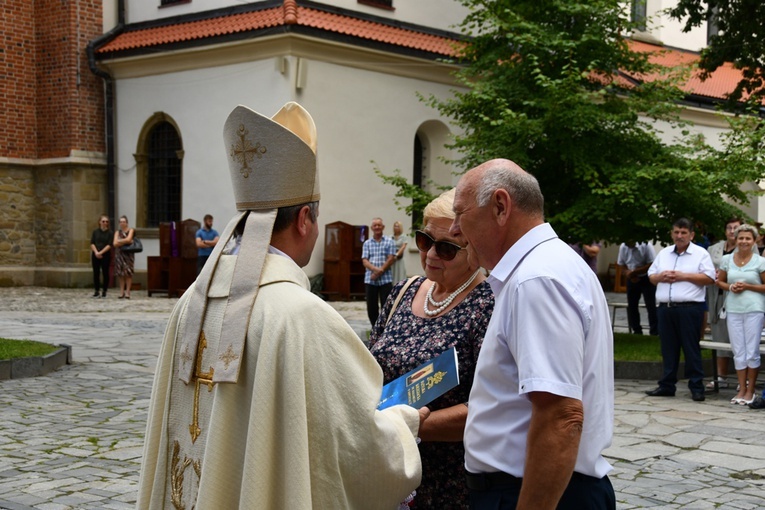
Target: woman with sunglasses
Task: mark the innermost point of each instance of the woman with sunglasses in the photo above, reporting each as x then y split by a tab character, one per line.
449	307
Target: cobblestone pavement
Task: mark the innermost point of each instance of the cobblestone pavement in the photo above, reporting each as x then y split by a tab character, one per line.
72	439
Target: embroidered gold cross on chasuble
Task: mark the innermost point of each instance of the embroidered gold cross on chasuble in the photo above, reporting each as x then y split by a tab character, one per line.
186	455
200	378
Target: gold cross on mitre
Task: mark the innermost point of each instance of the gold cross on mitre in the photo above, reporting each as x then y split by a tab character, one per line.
200	378
244	152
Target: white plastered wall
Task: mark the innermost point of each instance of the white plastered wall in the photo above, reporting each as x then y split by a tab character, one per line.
661	29
361	116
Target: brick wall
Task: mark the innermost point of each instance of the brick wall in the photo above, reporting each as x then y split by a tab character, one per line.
17	79
50	102
69	97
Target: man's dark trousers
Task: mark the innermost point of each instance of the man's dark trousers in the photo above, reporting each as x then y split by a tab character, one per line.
680	327
582	493
376	296
643	287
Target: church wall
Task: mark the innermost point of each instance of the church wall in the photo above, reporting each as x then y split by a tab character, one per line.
52	145
17	235
47	212
361	115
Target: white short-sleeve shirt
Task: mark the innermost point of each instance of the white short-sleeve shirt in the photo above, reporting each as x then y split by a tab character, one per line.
551	332
694	259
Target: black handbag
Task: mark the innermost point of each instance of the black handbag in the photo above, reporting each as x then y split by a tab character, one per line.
135	247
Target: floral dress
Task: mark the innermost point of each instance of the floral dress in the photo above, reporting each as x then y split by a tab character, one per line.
124	261
409	341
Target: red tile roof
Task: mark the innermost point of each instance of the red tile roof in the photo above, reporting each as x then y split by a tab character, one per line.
288	14
722	81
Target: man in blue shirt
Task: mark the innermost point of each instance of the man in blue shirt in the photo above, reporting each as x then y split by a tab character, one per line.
378	255
207	238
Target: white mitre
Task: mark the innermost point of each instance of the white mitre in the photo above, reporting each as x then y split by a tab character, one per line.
272	164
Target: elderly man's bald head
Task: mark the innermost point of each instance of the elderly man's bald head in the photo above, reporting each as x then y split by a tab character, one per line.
496	174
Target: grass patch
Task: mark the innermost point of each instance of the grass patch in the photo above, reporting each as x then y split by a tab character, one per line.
10	349
629	347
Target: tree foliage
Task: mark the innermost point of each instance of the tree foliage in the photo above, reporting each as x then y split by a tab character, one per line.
740	39
553	86
415	198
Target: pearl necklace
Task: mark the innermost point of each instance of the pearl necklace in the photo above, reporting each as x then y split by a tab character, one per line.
442	305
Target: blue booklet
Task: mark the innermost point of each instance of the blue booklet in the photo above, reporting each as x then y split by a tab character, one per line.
424	384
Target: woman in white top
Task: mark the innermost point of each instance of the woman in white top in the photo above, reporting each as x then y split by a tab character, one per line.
742	273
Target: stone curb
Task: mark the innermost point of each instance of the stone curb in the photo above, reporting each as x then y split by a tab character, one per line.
34	366
650	370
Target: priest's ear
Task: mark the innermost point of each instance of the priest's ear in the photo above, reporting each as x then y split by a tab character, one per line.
306	218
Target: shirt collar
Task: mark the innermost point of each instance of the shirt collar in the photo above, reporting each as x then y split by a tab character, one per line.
516	253
690	250
277	251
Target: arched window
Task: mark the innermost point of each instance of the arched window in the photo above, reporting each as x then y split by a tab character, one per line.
159	160
163	198
639	14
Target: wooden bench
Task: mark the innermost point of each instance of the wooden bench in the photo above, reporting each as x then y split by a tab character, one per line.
719	346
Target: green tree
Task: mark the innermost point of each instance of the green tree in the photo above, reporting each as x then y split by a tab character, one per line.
741	26
553	86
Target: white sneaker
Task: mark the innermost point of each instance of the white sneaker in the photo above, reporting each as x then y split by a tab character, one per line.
722	382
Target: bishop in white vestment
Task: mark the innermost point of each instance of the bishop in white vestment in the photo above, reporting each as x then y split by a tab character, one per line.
264	397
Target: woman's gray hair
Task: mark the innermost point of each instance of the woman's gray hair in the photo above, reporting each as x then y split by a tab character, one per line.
747	228
522	187
440	207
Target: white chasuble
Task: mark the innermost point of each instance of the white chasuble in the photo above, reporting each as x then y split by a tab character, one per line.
298	430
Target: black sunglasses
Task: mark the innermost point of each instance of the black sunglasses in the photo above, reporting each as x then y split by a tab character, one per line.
445	250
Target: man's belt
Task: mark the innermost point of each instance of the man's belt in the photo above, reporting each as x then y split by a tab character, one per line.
487	481
682	303
500	480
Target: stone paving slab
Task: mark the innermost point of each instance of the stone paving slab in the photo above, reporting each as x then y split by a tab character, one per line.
73	439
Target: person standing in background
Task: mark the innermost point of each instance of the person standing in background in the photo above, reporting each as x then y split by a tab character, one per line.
206	238
589	253
124	262
101	255
636	259
742	274
400	240
378	255
716	301
680	273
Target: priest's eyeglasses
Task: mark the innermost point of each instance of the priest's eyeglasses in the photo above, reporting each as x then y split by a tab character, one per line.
446	250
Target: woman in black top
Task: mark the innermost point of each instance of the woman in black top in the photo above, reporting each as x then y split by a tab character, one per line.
101	254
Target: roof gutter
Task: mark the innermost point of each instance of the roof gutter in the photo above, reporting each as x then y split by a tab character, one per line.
109	100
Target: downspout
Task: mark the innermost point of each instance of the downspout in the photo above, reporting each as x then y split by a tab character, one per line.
109	100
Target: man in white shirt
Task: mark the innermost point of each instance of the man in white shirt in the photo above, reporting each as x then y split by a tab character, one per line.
541	408
635	259
681	272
